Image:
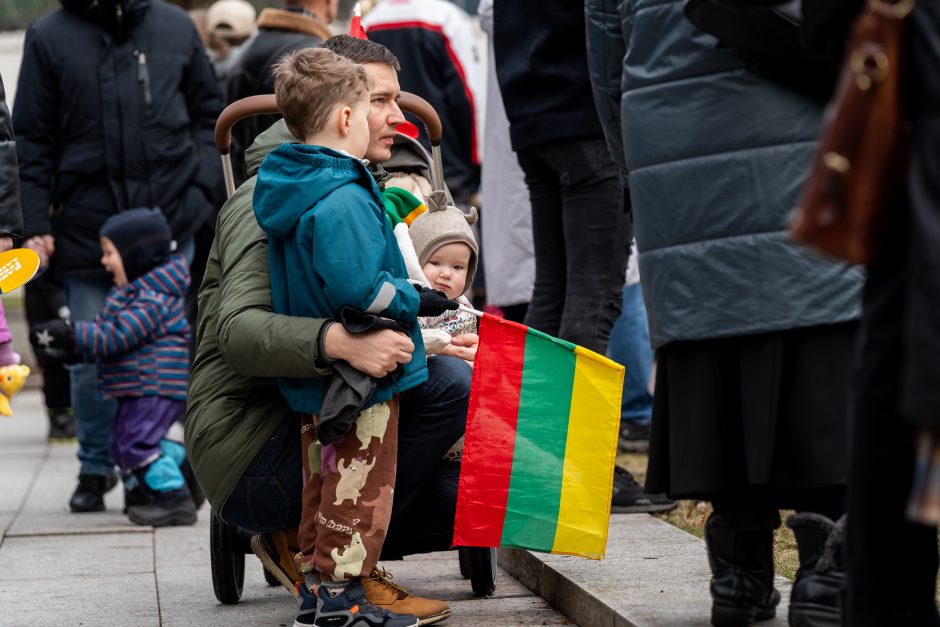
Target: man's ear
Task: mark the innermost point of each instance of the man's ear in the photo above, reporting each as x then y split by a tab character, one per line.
345	121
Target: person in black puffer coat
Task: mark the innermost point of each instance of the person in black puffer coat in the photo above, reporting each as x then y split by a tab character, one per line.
115	108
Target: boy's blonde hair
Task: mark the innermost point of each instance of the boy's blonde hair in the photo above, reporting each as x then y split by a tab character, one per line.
310	83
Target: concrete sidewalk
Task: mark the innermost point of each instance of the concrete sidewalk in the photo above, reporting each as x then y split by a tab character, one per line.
58	568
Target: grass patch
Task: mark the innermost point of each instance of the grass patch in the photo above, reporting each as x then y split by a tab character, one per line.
690	516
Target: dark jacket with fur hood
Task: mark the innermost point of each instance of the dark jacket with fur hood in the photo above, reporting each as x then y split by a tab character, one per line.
115	108
280	32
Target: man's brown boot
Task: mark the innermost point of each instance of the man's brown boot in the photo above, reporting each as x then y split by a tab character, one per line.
276	552
382	592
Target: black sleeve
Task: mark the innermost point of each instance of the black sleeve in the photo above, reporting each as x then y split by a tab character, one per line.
36	146
204	101
11	216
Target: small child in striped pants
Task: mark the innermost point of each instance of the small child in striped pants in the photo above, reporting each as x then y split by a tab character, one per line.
140	341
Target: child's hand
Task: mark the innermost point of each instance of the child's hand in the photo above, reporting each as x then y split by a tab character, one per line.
463	346
55	334
434	302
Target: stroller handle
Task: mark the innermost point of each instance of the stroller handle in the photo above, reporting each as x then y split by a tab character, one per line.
266	103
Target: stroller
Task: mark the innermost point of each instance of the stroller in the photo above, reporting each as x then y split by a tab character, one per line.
228	545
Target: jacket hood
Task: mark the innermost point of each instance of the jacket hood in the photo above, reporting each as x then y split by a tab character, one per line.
295	177
264	143
171	278
118	17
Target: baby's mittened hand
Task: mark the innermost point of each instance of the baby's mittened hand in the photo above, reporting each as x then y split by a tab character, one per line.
55	334
434	302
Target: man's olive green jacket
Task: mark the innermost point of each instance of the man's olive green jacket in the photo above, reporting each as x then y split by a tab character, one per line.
242	346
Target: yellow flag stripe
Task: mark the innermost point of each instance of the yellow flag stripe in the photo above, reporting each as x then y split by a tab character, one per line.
590	454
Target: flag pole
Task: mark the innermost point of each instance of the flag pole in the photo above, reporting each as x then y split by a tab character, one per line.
471	310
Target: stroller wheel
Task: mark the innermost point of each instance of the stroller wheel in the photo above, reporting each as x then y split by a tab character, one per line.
481	564
464	562
227	559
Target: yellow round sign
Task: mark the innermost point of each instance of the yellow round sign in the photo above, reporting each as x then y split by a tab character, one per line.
17	267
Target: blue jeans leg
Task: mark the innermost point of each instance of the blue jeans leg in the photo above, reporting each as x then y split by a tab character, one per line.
94	415
630	346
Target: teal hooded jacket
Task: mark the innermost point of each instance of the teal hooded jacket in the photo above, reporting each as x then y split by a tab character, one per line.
330	246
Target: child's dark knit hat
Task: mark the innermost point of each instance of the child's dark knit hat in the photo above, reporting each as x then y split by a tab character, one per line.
143	238
442	224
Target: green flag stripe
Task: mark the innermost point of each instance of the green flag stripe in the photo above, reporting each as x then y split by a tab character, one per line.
541	436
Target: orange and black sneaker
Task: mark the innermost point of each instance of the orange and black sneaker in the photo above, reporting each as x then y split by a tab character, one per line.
344	604
382	592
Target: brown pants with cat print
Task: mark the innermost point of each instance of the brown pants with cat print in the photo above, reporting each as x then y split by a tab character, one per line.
347	495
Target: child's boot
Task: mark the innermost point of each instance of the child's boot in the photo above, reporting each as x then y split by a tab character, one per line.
343	604
167	502
816	597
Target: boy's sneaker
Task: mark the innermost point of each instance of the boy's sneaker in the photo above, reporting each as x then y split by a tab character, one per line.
629	497
273	549
345	606
166	510
382	592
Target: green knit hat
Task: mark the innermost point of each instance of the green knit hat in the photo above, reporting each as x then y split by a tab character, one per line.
442	224
402	206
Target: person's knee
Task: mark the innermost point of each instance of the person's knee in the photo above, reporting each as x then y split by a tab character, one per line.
449	377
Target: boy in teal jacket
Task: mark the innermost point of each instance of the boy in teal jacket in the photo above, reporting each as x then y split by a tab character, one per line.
331	247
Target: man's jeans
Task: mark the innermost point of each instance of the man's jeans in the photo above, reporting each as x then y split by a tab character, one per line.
94	415
432	418
581	232
630	346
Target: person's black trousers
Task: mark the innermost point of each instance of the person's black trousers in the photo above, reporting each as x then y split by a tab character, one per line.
44	299
581	234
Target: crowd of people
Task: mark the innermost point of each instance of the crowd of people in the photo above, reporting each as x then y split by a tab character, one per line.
300	353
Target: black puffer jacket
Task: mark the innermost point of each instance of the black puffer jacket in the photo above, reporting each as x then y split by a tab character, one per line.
11	219
115	109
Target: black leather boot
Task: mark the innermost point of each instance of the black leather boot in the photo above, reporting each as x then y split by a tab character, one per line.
89	494
740	553
816	597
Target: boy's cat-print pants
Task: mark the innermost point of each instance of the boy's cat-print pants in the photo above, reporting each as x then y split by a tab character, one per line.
347	494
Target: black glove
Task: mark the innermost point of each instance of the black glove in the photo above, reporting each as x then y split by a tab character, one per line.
56	357
55	334
434	302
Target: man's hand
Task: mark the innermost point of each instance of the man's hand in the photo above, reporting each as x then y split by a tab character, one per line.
375	353
434	302
42	245
463	346
6	243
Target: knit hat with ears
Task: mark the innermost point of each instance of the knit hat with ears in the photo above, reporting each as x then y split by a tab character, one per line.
442	224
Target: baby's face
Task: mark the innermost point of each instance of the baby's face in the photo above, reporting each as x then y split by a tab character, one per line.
359	128
446	268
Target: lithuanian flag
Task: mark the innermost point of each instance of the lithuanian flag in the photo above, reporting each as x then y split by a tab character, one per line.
538	458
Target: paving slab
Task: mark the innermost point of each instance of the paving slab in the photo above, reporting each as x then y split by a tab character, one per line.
654	575
91	601
46	511
46	558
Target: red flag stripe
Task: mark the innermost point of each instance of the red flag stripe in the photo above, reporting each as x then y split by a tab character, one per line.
486	466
